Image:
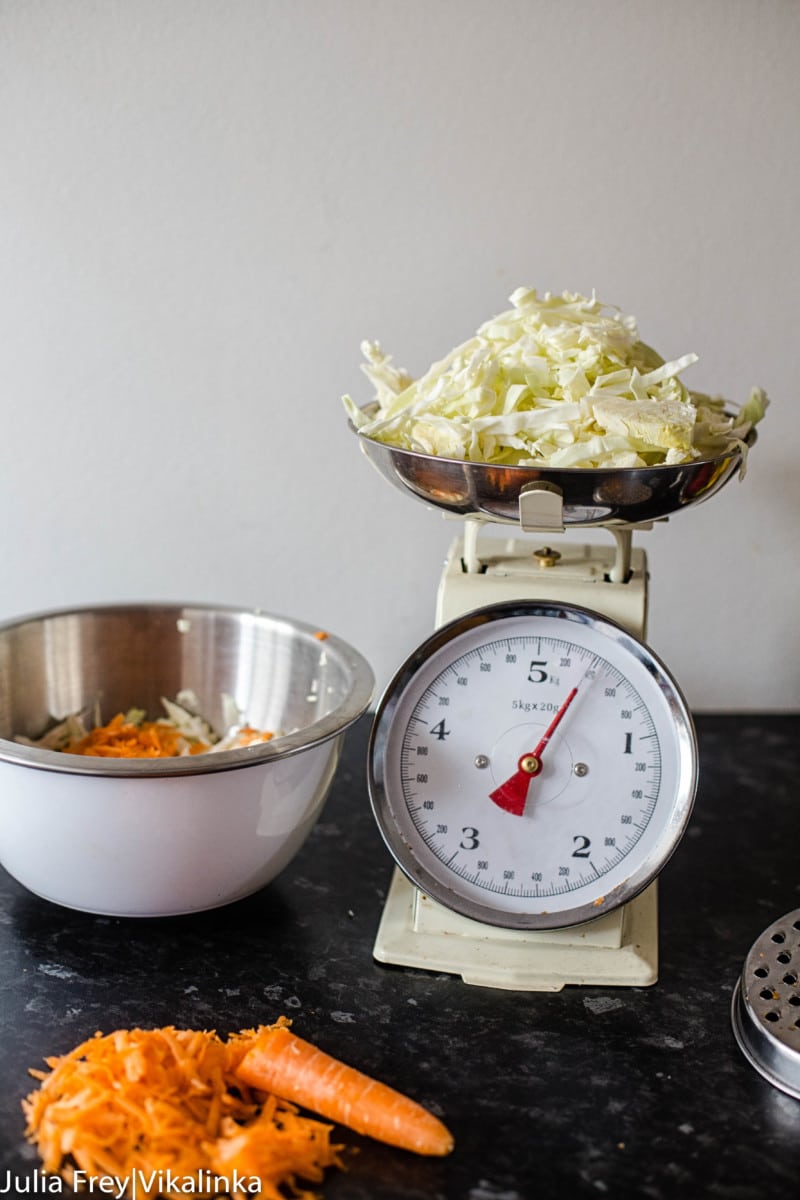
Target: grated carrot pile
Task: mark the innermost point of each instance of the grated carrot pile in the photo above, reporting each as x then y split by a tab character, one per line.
120	738
156	1107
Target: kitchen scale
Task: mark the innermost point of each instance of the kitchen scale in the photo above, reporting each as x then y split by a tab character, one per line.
533	764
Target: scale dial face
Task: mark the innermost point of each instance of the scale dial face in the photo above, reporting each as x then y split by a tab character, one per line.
532	765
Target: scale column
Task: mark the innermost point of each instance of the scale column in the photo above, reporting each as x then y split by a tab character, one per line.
480	571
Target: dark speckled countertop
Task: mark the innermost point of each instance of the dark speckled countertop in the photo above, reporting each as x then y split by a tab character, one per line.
585	1092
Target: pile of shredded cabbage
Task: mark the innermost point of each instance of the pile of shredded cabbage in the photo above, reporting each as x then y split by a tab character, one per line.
556	381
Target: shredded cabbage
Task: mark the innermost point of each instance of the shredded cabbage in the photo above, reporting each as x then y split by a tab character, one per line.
182	716
556	381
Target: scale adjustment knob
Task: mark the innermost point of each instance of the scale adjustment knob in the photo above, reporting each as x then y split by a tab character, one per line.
546	556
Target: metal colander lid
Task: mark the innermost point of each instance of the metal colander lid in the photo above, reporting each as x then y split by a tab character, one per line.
766	1004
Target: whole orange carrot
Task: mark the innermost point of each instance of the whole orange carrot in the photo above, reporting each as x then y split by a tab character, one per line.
281	1063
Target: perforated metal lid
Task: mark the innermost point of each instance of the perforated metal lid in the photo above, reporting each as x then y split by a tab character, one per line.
766	1004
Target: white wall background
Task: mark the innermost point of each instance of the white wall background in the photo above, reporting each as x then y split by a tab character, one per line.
207	204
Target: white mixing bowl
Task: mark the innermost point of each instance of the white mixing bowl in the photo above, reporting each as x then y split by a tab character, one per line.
159	837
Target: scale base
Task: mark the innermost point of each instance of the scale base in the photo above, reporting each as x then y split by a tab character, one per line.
617	950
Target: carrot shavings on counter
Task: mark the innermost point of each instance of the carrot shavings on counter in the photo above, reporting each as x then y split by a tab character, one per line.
156	1107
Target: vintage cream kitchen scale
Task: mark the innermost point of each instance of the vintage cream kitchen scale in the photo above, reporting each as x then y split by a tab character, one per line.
533	764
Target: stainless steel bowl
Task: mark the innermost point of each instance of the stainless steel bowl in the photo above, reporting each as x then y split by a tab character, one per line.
591	496
160	836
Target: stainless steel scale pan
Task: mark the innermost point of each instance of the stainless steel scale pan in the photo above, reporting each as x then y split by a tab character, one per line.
591	496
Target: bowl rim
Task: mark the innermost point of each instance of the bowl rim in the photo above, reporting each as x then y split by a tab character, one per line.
282	746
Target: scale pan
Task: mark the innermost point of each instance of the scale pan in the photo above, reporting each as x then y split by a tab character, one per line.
590	496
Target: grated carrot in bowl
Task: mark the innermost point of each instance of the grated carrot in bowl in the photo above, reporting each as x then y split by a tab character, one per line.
121	738
183	731
159	1107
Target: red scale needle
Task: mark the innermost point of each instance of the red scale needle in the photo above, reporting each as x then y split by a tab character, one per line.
513	794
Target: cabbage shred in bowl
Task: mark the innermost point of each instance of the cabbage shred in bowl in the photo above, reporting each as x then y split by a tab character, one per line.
180	731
